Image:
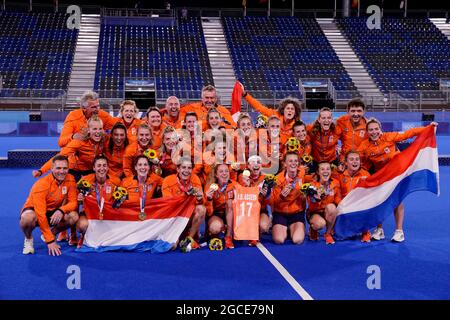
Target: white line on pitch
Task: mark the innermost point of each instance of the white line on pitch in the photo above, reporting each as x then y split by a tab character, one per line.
286	275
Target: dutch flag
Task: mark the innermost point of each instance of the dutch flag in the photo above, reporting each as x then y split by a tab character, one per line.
374	199
122	229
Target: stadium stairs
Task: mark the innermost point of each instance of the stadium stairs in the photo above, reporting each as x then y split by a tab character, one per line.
83	69
441	25
219	58
355	69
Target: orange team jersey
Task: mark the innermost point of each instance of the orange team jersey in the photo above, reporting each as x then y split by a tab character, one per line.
305	147
169	121
47	195
324	144
348	183
246	212
136	191
332	195
132	152
378	153
202	113
81	155
76	120
172	186
131	128
157	136
220	198
285	126
269	148
166	164
351	137
115	158
105	190
295	201
245	146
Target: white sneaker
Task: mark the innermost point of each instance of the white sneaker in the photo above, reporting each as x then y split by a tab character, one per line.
378	234
28	247
398	236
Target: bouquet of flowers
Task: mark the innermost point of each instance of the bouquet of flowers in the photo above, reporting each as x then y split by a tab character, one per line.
261	121
308	161
309	190
270	181
186	244
120	194
215	244
152	155
292	145
83	187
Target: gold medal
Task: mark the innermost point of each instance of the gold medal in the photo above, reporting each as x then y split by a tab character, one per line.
142	215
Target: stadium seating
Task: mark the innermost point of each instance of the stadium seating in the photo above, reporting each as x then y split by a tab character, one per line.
405	54
274	53
175	56
36	52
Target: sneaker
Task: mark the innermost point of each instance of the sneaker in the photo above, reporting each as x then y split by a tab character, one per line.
328	238
398	236
28	247
313	234
229	243
194	245
365	236
73	239
62	236
80	242
378	234
253	243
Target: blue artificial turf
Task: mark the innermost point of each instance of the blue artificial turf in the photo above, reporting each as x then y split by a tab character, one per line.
415	269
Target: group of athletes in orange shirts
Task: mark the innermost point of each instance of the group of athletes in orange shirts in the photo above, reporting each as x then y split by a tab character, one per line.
200	149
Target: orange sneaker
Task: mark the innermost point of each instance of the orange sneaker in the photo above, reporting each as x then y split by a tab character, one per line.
80	242
229	243
252	243
62	236
194	245
328	238
365	236
313	234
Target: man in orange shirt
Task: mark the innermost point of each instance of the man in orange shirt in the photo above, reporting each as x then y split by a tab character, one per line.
172	113
209	100
81	154
76	123
50	206
353	127
185	182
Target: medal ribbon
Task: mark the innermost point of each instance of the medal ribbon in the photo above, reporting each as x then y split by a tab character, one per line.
143	196
182	187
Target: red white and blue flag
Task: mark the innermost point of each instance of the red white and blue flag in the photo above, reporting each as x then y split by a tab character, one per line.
121	229
375	198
